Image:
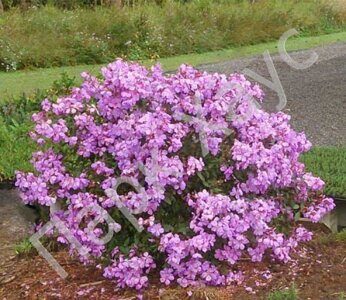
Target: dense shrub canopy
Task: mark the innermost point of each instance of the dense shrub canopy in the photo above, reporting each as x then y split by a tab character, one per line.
220	179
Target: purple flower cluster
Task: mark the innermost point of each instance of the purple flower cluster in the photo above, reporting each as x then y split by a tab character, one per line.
152	128
130	271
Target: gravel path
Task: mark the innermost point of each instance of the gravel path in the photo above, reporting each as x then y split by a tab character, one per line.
316	97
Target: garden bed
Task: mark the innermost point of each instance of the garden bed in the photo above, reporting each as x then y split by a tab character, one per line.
258	277
317	272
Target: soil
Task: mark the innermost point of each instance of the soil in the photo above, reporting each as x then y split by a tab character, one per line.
317	270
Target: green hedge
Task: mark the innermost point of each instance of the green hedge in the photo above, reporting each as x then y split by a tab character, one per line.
48	36
329	163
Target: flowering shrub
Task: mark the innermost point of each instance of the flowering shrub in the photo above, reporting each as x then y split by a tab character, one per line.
210	178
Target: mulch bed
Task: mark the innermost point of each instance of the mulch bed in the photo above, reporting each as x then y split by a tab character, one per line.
318	271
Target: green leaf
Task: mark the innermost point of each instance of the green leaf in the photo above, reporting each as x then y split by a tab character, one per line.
205	183
297	216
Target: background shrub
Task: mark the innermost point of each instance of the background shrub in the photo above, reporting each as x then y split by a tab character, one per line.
48	36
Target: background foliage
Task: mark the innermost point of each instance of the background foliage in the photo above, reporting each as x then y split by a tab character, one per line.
15	123
48	36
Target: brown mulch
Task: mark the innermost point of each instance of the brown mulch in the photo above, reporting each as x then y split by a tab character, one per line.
318	271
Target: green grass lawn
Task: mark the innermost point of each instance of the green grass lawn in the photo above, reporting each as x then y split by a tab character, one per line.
328	163
16	83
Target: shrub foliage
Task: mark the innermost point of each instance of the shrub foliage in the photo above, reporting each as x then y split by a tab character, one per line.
208	176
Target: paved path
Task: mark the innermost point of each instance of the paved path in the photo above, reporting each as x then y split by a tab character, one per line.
316	97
